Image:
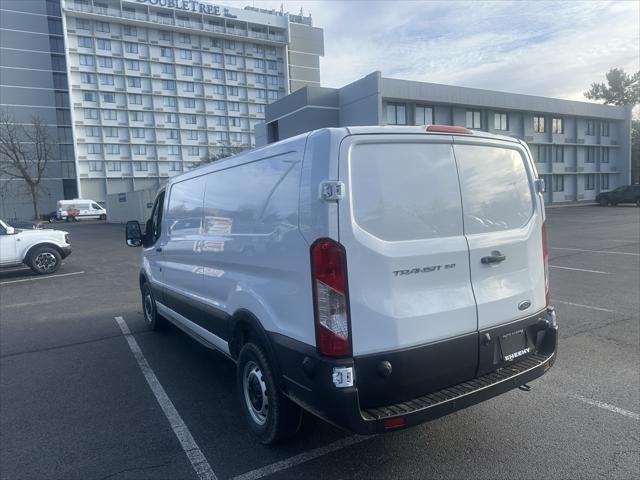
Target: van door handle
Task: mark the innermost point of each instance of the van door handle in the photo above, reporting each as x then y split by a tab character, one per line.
495	257
158	249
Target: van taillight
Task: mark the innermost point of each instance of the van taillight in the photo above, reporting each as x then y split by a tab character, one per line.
545	257
330	301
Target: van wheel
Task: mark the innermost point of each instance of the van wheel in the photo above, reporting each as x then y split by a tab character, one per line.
604	201
44	260
151	317
271	416
103	217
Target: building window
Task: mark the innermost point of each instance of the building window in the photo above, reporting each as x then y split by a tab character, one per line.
539	153
141	166
170	118
557	125
185	38
538	124
90	114
235	122
114	166
273	95
105	62
166	52
139	149
91	132
590	182
95	166
131	47
130	31
558	154
232	91
135	99
172	134
186	54
85	42
192	134
271	65
174	167
133	65
104	44
165	35
167	68
473	119
88	78
188	87
174	150
591	127
134	82
500	121
191	120
137	132
169	101
396	114
136	116
231	75
109	114
234	106
102	27
605	155
604	181
94	148
189	103
194	151
108	98
89	96
82	24
106	79
168	85
218	89
258	63
86	60
261	79
424	115
217	58
230	44
558	183
112	149
262	94
259	49
605	129
591	155
187	71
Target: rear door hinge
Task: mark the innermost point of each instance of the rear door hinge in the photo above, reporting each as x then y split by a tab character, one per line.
331	190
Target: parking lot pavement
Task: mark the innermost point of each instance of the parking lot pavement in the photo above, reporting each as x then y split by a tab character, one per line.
77	400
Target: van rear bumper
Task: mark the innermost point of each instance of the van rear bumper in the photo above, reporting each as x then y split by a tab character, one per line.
307	380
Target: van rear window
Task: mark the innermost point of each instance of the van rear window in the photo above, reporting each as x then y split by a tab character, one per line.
405	191
496	190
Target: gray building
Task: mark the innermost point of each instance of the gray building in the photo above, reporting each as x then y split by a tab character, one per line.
580	148
152	87
33	83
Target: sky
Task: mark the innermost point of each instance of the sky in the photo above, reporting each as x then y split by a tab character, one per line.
548	48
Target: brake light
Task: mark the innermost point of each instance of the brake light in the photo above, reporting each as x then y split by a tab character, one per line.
448	129
394	422
330	301
545	258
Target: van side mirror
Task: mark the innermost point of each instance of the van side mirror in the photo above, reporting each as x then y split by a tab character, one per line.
541	187
134	234
10	230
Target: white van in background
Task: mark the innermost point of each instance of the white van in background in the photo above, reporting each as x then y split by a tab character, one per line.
80	209
378	277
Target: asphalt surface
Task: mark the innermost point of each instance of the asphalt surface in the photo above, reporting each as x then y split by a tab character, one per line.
74	403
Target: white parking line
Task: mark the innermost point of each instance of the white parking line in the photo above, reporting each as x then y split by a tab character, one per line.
301	458
596	251
579	269
189	445
607	406
590	307
40	278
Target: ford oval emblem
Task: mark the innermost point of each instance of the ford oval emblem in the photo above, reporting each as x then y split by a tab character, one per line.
524	305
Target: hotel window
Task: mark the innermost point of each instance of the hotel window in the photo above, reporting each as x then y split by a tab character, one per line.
86	60
85	42
235	137
141	166
261	94
112	148
173	150
104	44
168	85
216	43
109	114
185	37
229	44
167	68
135	99
137	132
221	121
591	127
88	78
105	62
134	82
186	54
130	31
558	154
133	65
473	119
169	101
114	166
102	27
232	75
604	181
172	134
191	119
102	8
234	122
94	148
557	125
90	114
272	65
189	103
136	116
396	114
500	121
218	89
95	166
558	183
232	60
273	95
91	132
82	24
192	134
258	63
261	79
108	98
259	49
232	91
260	108
131	47
139	149
170	118
106	79
164	35
591	155
166	52
187	71
605	155
605	129
234	106
187	87
590	182
218	74
424	115
217	58
219	105
174	166
194	151
273	80
538	124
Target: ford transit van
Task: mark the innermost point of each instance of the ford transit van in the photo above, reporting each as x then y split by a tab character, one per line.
377	277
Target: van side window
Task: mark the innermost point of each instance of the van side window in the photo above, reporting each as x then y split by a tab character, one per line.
496	190
95	206
156	218
184	212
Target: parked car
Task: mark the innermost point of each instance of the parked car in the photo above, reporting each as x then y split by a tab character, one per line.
623	194
40	249
378	277
72	210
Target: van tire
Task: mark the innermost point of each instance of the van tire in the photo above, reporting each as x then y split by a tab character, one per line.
44	260
270	415
152	320
103	217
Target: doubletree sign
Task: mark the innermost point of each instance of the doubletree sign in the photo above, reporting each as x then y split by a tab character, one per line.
189	6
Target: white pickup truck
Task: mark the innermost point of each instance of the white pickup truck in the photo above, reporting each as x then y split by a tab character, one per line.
40	249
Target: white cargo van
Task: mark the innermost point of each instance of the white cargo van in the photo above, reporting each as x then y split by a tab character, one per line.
378	277
80	209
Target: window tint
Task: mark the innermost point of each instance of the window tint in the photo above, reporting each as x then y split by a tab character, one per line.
405	191
156	219
184	213
496	193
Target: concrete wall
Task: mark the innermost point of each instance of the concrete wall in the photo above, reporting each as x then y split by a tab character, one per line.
137	205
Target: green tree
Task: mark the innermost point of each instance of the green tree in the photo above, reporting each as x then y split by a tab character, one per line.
621	89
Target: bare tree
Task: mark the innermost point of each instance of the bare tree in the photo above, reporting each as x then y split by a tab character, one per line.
24	153
218	153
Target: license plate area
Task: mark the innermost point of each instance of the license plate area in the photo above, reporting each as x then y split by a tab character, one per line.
513	345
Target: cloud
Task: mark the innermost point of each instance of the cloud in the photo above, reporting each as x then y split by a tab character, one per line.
544	48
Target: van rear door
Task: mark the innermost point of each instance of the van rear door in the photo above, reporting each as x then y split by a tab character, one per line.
503	220
407	258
